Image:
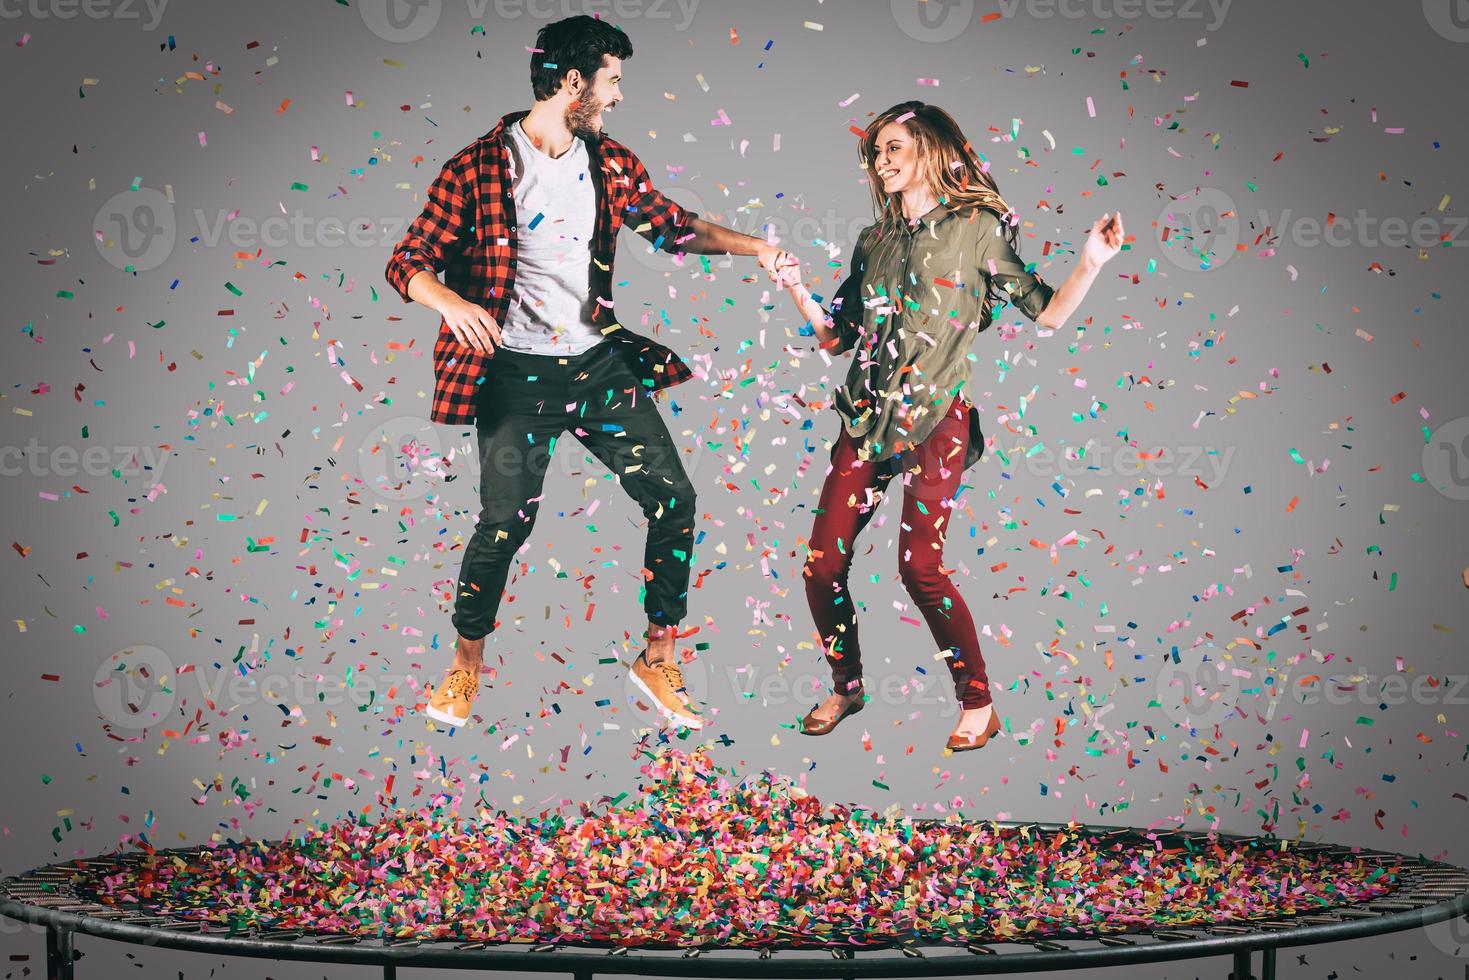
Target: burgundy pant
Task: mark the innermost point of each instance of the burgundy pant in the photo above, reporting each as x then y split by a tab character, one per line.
931	474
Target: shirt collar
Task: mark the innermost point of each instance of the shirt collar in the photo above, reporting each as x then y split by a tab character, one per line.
930	217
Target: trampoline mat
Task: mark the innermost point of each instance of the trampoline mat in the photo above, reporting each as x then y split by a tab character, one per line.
701	859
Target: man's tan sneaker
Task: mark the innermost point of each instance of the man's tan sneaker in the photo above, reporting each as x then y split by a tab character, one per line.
450	701
663	684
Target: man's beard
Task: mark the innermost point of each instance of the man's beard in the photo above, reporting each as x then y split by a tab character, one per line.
581	118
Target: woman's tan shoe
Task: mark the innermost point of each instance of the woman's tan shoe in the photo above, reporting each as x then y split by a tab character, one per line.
812	725
964	743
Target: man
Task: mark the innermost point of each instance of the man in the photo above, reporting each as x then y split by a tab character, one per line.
523	223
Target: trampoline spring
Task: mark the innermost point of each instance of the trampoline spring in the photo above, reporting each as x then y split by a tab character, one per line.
1320	920
692	953
766	953
473	946
911	953
841	954
1351	912
1223	930
281	934
339	940
1046	946
1115	941
544	948
617	951
980	950
1280	926
1396	905
1172	935
405	942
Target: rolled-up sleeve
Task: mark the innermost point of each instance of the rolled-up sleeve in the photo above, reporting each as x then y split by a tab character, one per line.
441	230
655	215
1009	279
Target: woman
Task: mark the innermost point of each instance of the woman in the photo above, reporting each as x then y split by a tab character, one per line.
923	280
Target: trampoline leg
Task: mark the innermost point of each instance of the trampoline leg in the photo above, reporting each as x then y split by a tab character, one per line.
60	953
1267	965
390	971
581	973
1241	969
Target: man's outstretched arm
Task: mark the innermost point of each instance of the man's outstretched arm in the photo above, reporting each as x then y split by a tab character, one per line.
668	226
711	239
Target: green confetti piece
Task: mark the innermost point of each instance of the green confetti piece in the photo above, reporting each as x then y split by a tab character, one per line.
233	288
296	185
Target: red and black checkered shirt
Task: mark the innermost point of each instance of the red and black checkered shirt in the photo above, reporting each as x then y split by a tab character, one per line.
467	230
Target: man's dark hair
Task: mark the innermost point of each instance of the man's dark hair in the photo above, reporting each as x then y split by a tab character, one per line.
576	42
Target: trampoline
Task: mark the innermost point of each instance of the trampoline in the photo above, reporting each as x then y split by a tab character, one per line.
703	876
53	897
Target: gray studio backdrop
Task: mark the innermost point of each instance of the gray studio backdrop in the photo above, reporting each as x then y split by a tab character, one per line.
1215	546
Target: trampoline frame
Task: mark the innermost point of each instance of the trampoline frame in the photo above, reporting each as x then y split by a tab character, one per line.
1431	892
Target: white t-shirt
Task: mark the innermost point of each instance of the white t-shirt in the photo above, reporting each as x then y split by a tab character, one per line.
551	307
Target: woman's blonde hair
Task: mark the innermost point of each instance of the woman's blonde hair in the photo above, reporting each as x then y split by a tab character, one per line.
950	166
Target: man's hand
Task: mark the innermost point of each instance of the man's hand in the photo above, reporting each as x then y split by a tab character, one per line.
783	267
472	325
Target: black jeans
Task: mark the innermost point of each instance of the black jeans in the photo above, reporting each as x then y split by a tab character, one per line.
524	404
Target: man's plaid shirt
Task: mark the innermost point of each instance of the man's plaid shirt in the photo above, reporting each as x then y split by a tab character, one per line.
468	230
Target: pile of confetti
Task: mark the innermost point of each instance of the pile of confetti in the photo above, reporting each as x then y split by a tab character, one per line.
702	858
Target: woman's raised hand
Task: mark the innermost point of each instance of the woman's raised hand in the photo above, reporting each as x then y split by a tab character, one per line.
1104	239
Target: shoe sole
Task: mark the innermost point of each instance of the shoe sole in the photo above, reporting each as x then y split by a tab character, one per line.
664	710
444	717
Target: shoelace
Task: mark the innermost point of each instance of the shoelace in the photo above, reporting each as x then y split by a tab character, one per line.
673	676
462	684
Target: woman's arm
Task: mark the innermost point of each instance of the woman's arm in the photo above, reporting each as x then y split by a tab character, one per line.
1104	240
826	330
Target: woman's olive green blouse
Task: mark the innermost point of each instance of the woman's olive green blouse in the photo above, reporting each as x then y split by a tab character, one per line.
911	305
